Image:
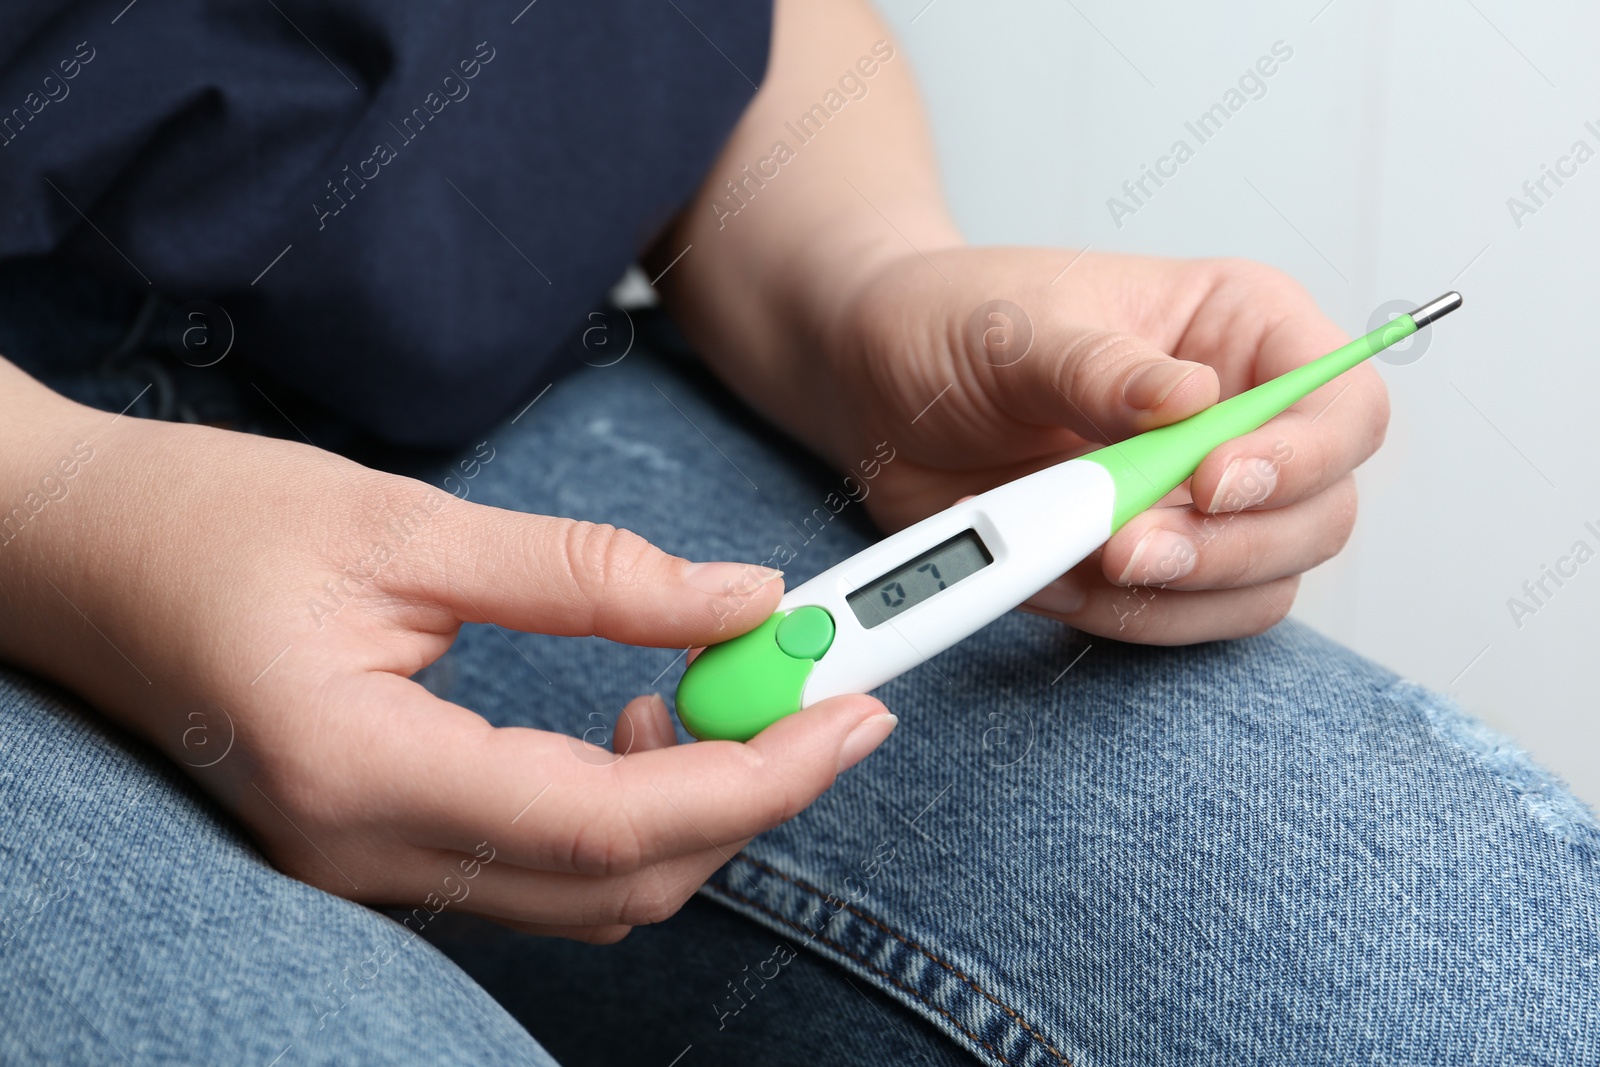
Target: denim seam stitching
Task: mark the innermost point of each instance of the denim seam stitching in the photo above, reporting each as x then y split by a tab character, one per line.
869	965
1016	1016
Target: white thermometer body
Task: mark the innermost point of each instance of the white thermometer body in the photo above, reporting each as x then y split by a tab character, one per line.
919	591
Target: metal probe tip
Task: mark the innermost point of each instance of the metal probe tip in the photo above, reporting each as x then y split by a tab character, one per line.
1436	309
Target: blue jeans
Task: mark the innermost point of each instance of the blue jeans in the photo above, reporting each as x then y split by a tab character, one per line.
1072	850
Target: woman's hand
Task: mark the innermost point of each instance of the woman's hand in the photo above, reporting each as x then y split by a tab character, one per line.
841	303
980	365
255	608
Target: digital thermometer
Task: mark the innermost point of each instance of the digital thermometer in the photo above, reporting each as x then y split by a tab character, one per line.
912	595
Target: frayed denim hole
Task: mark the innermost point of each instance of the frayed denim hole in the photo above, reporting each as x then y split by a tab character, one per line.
1546	797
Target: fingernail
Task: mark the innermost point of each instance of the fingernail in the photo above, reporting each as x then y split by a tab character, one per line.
731	579
1161	556
1062	596
867	735
1147	387
1247	482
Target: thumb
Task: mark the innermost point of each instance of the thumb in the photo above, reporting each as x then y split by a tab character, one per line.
1102	385
574	579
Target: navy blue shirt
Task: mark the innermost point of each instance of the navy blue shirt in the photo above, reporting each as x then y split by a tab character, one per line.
407	209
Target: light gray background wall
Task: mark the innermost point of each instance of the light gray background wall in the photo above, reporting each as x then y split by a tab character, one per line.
1389	143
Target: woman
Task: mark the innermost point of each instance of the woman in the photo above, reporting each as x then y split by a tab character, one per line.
1181	830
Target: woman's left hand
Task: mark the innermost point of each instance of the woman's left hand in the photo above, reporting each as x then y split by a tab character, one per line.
979	365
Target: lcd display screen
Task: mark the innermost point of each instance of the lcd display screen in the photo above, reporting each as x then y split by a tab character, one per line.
909	585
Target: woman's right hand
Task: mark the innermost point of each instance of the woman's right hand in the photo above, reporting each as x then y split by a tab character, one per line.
256	609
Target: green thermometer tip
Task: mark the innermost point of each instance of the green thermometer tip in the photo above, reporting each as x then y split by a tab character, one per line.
1148	467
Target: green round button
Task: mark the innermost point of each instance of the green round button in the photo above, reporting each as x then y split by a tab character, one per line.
806	633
